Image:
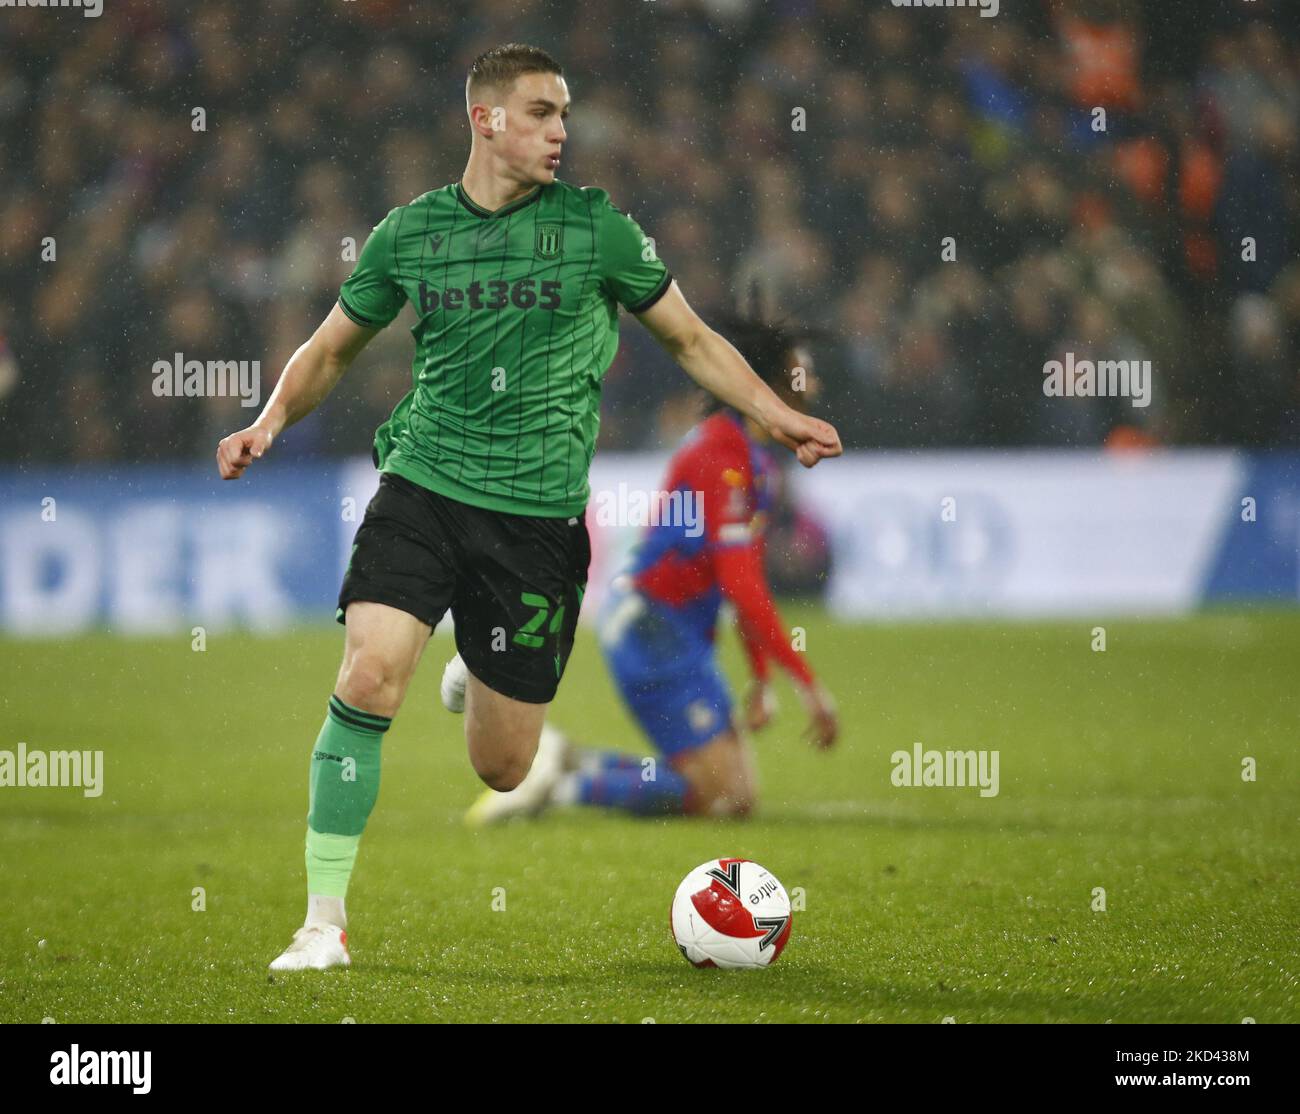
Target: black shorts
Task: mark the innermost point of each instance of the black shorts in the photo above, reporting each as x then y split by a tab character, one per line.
514	582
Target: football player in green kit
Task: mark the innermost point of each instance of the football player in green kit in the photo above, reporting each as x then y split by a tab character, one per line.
517	278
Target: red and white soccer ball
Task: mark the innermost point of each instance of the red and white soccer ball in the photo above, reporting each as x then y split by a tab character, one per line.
731	913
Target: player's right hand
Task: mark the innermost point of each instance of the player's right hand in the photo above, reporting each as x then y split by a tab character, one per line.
760	703
823	723
809	438
239	450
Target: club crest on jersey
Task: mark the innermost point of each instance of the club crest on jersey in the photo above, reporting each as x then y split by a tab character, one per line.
550	239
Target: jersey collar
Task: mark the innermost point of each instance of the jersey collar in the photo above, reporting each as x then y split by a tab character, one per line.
485	214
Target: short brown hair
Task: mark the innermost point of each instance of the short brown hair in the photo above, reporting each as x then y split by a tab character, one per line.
766	347
501	66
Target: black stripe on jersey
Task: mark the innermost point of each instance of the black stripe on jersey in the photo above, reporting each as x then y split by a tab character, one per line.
492	409
650	299
550	331
439	360
424	246
519	409
598	307
582	290
424	237
468	319
397	229
359	318
506	210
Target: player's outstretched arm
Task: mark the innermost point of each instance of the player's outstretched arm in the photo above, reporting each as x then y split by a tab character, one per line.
715	365
760	703
308	377
739	569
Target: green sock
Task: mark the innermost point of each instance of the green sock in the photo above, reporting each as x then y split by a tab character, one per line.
343	785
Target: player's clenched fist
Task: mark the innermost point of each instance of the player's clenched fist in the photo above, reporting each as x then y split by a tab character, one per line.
809	438
239	450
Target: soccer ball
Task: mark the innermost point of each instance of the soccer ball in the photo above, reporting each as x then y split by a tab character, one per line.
731	913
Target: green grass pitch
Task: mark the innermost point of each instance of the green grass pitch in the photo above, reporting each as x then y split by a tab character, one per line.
1120	770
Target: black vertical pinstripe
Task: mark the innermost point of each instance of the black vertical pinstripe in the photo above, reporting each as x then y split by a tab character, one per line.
582	292
550	331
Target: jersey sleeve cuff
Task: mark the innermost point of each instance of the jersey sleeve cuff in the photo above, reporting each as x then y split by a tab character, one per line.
359	318
650	299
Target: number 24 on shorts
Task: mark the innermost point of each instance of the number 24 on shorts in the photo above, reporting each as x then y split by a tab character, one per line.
526	635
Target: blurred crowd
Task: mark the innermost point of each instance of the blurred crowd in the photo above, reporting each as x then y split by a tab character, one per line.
945	202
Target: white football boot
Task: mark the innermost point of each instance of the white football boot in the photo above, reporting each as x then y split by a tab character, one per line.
315	946
454	679
533	794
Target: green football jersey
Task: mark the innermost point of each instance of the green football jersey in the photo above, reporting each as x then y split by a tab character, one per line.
518	322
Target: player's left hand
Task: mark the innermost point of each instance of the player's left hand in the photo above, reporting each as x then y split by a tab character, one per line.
807	437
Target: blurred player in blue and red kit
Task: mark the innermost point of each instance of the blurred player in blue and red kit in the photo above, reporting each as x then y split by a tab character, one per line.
659	621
